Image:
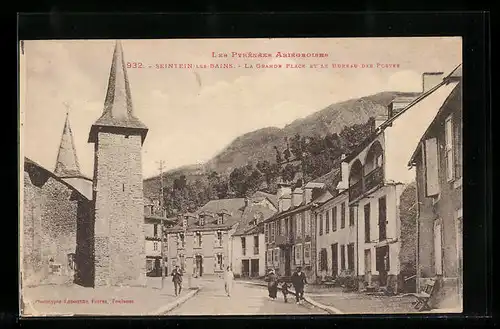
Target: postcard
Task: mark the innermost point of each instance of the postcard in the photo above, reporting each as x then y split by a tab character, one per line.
293	176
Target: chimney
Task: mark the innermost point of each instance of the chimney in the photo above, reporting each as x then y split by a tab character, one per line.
307	195
431	79
247	202
285	202
397	105
283	188
344	174
297	197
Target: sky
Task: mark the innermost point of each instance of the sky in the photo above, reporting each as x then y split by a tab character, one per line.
192	114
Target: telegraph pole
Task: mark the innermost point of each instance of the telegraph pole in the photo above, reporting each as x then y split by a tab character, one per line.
162	228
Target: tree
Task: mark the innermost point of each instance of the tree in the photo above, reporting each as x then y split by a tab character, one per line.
278	155
288	173
245	180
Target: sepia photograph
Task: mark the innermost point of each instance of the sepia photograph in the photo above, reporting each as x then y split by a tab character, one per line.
276	176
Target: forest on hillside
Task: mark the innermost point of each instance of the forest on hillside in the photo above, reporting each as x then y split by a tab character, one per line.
311	156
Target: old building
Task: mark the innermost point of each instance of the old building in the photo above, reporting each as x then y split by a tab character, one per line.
90	232
248	257
202	242
376	180
438	162
152	230
289	234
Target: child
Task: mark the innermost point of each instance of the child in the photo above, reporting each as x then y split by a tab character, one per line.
284	290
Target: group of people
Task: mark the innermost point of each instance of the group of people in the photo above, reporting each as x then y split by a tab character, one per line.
298	281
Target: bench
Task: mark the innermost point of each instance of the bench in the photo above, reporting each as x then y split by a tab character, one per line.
424	295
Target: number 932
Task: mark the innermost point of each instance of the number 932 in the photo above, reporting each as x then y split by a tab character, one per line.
134	65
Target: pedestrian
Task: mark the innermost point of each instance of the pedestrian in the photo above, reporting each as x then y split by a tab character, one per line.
284	290
177	280
298	282
272	284
228	281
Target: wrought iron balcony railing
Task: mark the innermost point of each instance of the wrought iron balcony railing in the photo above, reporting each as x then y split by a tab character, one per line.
374	178
355	190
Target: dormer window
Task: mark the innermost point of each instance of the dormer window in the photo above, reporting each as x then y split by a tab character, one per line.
201	220
220	219
184	222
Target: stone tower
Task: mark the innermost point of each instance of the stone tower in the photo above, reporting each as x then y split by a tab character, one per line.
119	247
67	161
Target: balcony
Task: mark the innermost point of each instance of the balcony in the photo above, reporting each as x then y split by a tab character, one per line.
356	190
374	178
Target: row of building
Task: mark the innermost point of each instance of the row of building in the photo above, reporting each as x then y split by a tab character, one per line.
388	215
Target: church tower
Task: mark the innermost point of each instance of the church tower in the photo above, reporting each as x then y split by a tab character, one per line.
119	248
67	161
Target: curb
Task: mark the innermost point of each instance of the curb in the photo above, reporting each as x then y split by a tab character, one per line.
167	308
329	309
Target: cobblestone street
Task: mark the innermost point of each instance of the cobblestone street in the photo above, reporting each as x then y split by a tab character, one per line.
246	299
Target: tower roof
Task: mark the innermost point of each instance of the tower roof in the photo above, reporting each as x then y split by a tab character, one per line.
118	110
67	161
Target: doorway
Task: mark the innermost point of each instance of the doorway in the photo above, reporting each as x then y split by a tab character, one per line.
335	260
368	267
245	268
254	268
382	254
288	270
199	265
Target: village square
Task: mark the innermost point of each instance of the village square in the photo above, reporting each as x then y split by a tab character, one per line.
379	232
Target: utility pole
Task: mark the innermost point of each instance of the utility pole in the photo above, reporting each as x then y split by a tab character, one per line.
162	228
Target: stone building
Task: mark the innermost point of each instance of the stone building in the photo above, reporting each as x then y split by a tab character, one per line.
438	162
89	232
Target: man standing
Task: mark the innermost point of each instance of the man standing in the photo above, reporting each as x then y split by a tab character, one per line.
177	280
298	281
228	281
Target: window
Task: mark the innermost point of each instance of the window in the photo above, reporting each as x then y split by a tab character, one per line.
182	261
220	219
149	265
307	253
350	256
342	215
283	227
72	261
266	233
298	254
438	250
298	220
307	223
155	230
219	238
351	216
273	226
449	155
431	163
184	223
198	239
269	257
243	246
181	243
334	218
367	222
220	265
382	219
342	257
256	245
276	256
155	246
327	222
320	222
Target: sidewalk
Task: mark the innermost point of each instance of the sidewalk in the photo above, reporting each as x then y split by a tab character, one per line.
336	301
70	300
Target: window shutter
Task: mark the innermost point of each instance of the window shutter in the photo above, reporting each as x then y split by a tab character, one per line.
431	166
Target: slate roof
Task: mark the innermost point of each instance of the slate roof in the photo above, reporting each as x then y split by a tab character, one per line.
118	109
67	162
271	197
330	179
249	215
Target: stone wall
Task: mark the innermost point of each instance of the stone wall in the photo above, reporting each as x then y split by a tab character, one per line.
408	247
51	215
119	211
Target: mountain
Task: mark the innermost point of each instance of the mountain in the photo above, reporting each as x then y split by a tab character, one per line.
259	144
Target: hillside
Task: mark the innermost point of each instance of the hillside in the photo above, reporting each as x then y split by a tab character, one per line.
259	145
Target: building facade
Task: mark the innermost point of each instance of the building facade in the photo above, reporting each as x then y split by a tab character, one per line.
438	163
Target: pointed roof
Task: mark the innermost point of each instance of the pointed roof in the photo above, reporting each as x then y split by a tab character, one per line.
67	161
118	110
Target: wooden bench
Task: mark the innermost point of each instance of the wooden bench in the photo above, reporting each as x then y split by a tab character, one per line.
424	295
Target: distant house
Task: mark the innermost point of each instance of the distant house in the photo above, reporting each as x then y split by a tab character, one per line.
202	242
248	257
438	162
290	238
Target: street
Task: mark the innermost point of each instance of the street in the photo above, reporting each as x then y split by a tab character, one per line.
246	299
